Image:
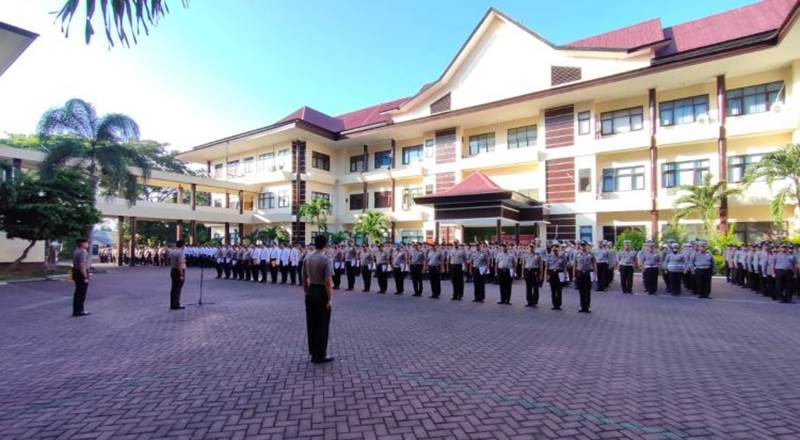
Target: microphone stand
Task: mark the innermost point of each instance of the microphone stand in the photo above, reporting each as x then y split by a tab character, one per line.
202	272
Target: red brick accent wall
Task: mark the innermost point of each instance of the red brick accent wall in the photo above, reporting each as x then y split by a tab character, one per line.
445	181
560	175
559	126
561	227
446	146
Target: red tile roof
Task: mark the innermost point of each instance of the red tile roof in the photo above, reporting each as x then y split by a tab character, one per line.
315	117
476	183
637	35
370	115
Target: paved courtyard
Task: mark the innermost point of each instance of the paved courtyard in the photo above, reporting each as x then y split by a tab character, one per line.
406	368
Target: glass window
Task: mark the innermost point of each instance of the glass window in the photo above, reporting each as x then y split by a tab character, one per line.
383	159
233	168
409	237
248	164
218	171
283	199
284	162
383	199
621	121
586	233
320	161
584	123
690	172
522	137
356	201
321	195
585	180
428	189
357	164
481	143
738	166
266	162
754	99
408	197
429	145
266	200
623	179
412	154
682	111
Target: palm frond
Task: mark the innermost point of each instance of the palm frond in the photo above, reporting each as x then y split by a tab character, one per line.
777	206
76	117
60	152
117	128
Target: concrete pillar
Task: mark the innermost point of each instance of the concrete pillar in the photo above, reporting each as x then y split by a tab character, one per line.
227	237
393	232
241	232
227	200
498	231
722	151
132	250
179	230
120	238
516	233
241	202
193	232
436	232
179	196
193	196
653	165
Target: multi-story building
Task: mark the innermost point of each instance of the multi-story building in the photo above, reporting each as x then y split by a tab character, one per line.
601	130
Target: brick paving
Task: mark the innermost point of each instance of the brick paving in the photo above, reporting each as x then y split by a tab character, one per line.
406	368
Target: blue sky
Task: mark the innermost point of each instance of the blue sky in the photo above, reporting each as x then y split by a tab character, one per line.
221	67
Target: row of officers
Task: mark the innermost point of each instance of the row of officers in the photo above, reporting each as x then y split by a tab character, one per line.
682	267
768	268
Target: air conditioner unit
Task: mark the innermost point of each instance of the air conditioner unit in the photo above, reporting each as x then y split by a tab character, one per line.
777	107
703	119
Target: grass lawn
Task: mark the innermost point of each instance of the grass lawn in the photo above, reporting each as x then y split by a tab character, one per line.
26	271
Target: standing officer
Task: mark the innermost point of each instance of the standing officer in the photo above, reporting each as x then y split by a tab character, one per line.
602	258
382	256
505	264
80	275
417	257
533	270
219	259
338	267
675	263
318	286
366	263
649	260
585	264
350	262
177	273
785	264
479	262
456	258
434	261
703	264
556	265
626	259
399	261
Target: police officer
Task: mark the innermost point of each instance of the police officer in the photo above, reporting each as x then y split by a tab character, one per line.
383	256
350	262
219	260
479	263
585	265
456	259
338	267
533	271
318	285
675	262
177	273
649	260
365	261
80	275
703	265
433	262
399	261
417	257
785	264
505	264
603	259
627	259
556	264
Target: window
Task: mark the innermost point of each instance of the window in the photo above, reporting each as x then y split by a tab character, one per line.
682	111
266	200
357	164
621	121
481	143
283	199
754	99
584	123
522	137
233	168
383	199
320	161
610	233
383	159
408	197
623	179
218	171
586	233
429	145
248	165
412	154
356	202
428	189
738	166
691	172
284	161
584	180
320	195
266	162
408	237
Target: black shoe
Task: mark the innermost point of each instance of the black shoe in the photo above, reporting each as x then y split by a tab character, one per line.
177	308
501	302
398	293
323	360
477	301
433	297
78	315
555	308
584	311
531	305
364	291
453	299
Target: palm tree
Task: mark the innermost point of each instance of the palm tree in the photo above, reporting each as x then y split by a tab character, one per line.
122	13
782	165
702	201
373	225
316	212
76	135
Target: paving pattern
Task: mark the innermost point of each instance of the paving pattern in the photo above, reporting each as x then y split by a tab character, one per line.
406	368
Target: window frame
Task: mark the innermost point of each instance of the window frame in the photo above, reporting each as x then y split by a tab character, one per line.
385	197
320	161
612	116
283	199
744	165
674	104
354	161
415	234
740	95
408	196
488	145
232	168
420	154
587	118
384	154
429	146
361	197
283	159
266	200
529	133
617	175
581	177
671	172
248	165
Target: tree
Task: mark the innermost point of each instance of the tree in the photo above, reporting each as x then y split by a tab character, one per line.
74	132
373	225
702	201
782	165
316	212
35	209
636	237
675	231
121	13
339	237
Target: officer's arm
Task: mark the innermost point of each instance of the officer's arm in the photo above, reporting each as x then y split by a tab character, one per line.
328	286
304	277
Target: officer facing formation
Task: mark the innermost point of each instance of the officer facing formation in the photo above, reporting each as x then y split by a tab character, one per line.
80	276
318	285
177	273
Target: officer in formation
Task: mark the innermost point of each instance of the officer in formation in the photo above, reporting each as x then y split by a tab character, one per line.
81	262
255	263
584	271
770	269
627	261
177	274
316	276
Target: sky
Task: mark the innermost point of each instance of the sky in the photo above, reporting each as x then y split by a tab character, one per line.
218	68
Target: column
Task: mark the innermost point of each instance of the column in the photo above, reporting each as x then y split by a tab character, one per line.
193	232
436	233
394	194
16	168
193	197
120	238
179	196
208	168
393	231
498	231
179	230
241	202
241	232
227	237
516	233
722	151
653	165
366	198
227	200
132	250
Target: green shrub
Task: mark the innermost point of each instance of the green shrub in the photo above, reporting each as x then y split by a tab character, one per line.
636	237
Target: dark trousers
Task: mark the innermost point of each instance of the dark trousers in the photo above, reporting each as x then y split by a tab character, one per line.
351	275
366	277
273	271
650	279
783	285
227	268
626	278
299	270
504	279
318	319
292	274
688	281
583	281
555	288
675	282
337	277
380	271
247	269
254	270
727	273
284	273
79	296
665	277
479	284
532	286
436	281
416	279
602	276
219	267
399	277
175	288
740	274
702	280
263	267
457	277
